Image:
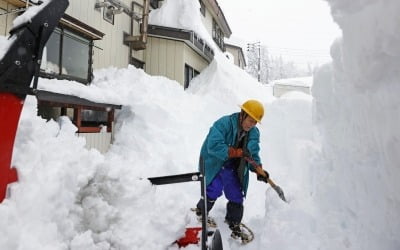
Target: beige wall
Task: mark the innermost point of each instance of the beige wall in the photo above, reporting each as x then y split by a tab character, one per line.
167	58
193	59
99	141
238	58
163	57
109	51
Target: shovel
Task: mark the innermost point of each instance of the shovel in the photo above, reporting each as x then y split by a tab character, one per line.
277	188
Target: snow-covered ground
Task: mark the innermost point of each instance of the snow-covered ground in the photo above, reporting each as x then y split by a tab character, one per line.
335	154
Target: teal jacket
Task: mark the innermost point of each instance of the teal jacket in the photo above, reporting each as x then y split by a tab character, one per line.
214	151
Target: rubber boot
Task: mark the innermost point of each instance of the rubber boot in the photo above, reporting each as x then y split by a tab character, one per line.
234	213
200	205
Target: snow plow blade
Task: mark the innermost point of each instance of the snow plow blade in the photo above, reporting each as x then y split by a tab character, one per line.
20	63
172	179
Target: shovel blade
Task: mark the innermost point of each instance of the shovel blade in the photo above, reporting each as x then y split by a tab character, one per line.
280	193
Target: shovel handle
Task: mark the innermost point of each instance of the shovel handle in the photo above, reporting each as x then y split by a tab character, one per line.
269	181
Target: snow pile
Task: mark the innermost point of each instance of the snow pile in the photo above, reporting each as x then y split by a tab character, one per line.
341	187
182	14
357	111
297	81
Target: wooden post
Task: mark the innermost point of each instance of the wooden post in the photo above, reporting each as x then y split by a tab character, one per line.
110	119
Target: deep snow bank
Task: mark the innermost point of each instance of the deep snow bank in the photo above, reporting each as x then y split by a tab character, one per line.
357	111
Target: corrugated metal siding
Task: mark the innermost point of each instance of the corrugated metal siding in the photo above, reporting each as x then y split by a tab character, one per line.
193	59
164	57
111	51
99	141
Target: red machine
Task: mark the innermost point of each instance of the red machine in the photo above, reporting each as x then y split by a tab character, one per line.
19	65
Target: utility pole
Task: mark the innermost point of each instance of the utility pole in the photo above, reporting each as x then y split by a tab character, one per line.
253	46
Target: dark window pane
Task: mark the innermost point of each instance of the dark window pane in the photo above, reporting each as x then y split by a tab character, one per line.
190	73
154	3
75	55
51	54
138	64
186	83
202	8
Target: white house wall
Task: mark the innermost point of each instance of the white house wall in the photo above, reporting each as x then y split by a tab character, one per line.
207	21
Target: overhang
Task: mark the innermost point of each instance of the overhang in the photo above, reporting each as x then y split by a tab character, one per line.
219	16
187	36
70	101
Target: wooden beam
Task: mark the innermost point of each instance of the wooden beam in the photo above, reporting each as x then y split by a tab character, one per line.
89	129
17	3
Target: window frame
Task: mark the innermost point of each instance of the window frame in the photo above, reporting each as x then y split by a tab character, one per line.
137	63
189	74
60	75
109	19
218	35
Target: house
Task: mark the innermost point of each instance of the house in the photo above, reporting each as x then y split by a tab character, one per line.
181	54
237	53
94	34
283	86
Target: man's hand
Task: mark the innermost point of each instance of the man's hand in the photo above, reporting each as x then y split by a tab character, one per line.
262	175
237	153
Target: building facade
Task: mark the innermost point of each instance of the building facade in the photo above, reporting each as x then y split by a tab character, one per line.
94	34
97	34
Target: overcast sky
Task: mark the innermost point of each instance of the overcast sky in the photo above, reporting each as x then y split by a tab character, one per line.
301	29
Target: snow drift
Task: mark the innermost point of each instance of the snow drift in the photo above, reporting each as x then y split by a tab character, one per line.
357	111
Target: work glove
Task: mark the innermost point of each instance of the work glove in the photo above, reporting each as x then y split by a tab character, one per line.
235	152
264	177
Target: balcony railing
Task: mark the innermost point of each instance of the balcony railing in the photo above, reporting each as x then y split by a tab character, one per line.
188	36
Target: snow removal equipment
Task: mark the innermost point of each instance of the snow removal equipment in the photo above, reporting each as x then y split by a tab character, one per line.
18	66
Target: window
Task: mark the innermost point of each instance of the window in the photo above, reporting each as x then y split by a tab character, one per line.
67	55
137	63
202	8
218	35
93	118
154	3
108	14
190	73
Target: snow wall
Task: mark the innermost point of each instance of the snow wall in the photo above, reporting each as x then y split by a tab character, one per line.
357	113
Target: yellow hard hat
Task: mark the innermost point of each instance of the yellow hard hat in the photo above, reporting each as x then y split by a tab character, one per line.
254	109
